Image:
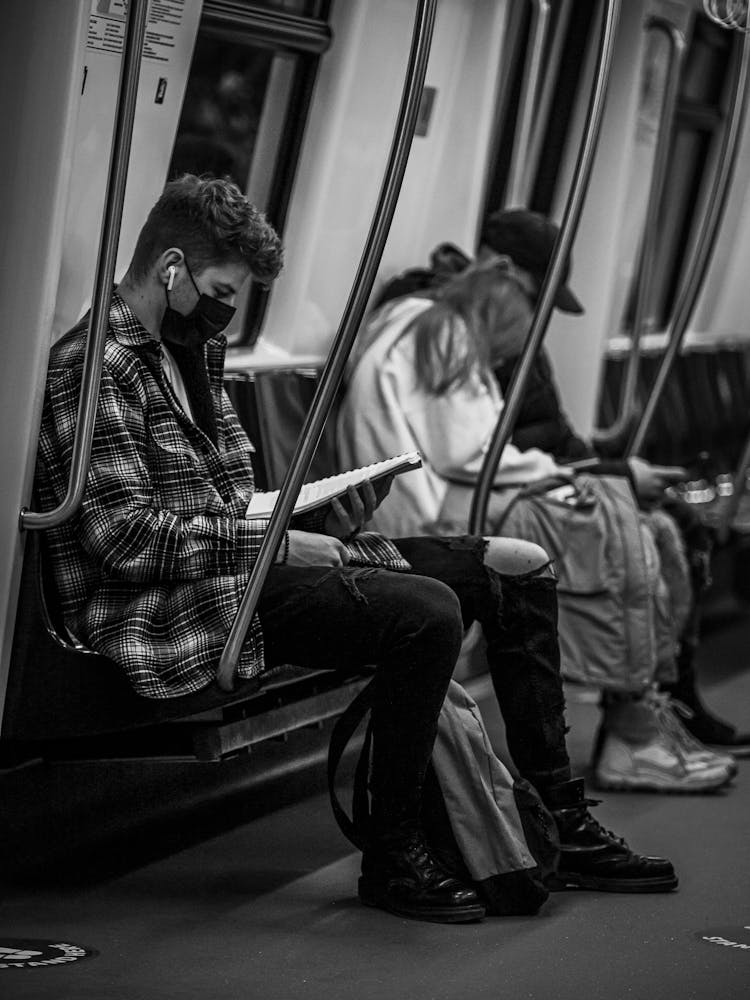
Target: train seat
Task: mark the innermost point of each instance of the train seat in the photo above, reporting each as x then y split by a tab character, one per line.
703	417
67	701
272	406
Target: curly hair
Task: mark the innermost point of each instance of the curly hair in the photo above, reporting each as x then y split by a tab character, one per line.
212	222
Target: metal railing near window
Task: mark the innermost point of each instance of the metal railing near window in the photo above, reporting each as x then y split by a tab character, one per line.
695	274
110	234
519	175
571	216
627	403
343	341
705	242
251	81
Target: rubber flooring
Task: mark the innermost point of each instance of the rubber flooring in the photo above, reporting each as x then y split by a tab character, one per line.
262	905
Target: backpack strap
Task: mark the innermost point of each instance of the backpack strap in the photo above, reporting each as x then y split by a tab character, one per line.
356	828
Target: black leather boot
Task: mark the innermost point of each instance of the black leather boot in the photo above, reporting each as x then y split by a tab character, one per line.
403	877
594	858
702	723
707	728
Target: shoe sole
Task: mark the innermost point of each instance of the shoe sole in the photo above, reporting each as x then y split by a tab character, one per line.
617	783
573	880
434	914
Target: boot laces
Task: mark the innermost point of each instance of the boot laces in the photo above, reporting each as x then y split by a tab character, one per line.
582	809
597	827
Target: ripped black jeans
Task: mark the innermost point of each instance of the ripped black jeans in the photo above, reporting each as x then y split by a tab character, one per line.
411	626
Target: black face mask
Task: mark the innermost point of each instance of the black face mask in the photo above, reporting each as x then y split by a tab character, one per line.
204	321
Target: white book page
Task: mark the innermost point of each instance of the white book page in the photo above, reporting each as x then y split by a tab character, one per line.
323	490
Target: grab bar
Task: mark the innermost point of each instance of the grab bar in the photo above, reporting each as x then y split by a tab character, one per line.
343	341
695	274
627	402
135	29
518	181
552	279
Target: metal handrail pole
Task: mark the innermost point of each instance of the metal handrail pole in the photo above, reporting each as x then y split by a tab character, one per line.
135	29
627	403
352	318
703	248
517	184
553	277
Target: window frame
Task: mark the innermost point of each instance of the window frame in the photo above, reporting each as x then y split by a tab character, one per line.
704	121
575	23
308	37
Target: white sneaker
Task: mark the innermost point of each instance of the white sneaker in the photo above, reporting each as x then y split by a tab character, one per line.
656	766
668	710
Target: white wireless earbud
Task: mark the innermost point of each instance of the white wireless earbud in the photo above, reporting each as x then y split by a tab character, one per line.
172	271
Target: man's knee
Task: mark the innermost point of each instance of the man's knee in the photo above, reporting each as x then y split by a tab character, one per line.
435	607
515	556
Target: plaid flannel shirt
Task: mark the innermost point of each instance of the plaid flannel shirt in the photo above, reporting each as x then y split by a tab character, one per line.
151	569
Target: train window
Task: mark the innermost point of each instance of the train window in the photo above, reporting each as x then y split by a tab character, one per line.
245	107
566	42
222	111
699	120
309	7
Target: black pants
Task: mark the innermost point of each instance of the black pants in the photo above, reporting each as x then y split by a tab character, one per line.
411	626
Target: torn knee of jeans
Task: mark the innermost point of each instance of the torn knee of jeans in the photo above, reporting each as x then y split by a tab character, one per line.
349	580
545	572
468	543
492	602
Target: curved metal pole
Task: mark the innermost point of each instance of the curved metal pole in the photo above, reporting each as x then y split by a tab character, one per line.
353	313
504	428
105	269
703	247
529	89
627	407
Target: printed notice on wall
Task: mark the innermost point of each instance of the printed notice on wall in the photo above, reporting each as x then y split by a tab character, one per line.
172	26
107	27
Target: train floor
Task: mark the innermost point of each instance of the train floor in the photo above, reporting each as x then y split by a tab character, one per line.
233	905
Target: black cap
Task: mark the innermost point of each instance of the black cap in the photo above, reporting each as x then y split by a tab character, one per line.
528	239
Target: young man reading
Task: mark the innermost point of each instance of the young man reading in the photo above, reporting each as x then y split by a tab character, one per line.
151	569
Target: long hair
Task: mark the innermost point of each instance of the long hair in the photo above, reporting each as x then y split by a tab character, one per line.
453	336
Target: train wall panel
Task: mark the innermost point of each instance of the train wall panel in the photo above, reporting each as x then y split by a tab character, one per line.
163	74
576	343
40	78
347	143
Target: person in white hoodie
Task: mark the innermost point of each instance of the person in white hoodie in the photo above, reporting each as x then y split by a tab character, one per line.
421	379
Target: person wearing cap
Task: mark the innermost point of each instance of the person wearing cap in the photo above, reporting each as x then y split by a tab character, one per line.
421	379
528	238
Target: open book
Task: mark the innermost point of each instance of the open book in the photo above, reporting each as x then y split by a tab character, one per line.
322	491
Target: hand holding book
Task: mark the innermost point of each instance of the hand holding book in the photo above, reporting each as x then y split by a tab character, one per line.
323	491
344	503
349	515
